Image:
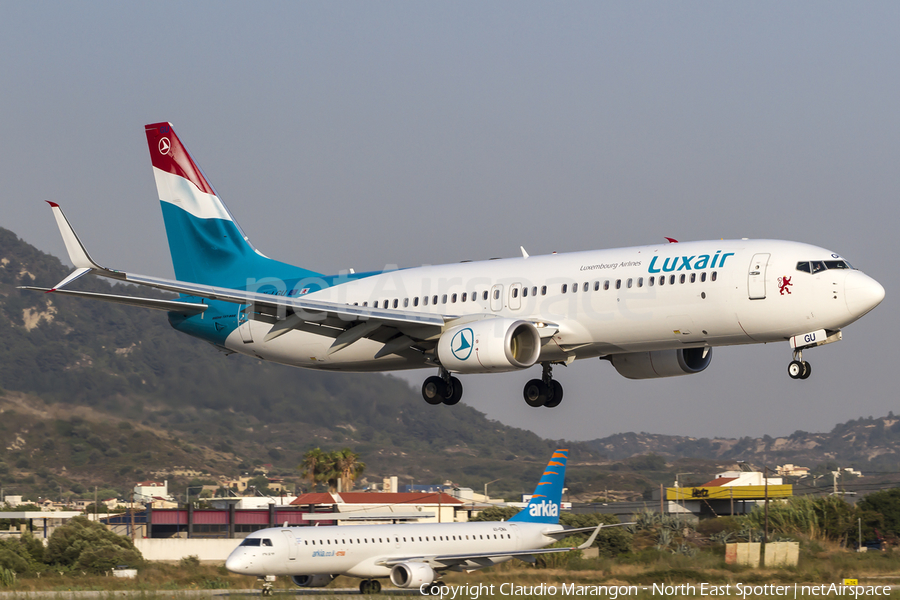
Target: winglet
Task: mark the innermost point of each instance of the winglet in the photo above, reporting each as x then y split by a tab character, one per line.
591	539
77	254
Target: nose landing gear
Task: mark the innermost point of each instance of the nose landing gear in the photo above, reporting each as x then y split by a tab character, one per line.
799	368
442	389
545	391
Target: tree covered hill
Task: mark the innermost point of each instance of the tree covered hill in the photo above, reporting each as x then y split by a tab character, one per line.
108	366
864	443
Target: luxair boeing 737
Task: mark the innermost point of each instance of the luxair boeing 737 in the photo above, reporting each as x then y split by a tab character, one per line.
412	555
651	311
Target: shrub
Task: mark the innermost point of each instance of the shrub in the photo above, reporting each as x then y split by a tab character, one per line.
90	547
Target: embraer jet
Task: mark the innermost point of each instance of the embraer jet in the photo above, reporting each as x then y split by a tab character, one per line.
411	555
651	311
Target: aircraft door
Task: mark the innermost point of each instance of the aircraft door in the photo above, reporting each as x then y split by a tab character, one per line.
291	542
756	278
515	296
514	532
243	327
497	298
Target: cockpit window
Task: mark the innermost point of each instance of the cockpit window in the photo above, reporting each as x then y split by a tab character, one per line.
821	265
837	264
250	542
267	542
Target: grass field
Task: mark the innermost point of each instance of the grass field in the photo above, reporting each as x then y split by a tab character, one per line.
819	564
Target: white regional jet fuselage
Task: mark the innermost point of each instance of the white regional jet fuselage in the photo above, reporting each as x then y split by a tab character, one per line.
652	311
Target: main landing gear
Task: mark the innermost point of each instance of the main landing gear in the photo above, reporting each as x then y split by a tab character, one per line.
545	391
799	368
369	586
442	389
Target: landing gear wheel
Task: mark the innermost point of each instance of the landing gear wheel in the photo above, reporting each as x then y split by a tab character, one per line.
267	582
535	393
376	587
795	369
434	390
453	392
435	588
807	370
369	586
556	394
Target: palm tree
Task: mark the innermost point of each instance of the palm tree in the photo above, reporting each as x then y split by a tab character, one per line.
312	466
348	467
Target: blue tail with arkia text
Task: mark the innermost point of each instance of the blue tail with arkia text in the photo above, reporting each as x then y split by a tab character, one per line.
544	504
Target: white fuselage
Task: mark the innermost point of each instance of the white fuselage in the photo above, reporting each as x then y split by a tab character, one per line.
604	302
359	550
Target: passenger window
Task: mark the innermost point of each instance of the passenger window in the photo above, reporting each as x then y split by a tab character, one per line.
387	303
640	282
484	297
565	288
496	294
444	299
406	303
424	300
597	286
524	292
662	280
515	293
395	303
650	283
534	291
629	283
474	296
682	278
434	299
375	304
606	285
713	276
702	276
693	277
618	284
416	301
574	287
543	290
463	297
804	266
453	298
671	280
365	303
585	286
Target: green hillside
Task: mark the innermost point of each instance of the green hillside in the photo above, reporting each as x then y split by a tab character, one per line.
111	367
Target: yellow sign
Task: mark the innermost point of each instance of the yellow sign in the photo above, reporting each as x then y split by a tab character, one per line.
739	492
851	582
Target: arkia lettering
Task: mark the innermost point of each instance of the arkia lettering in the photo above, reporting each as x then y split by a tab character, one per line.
689	263
544	509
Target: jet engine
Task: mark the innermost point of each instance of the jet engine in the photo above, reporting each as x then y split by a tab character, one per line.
662	363
412	575
489	346
311	581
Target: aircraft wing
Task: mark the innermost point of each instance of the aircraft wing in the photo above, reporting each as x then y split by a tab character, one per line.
346	323
482	559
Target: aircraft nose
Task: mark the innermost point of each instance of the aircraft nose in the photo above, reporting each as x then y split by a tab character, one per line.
862	293
235	562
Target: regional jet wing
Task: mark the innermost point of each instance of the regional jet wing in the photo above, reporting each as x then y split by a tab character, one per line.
482	559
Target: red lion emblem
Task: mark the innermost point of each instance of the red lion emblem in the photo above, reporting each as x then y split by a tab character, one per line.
783	283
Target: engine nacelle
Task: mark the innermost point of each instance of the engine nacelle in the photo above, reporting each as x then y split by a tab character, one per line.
311	581
489	346
412	575
662	363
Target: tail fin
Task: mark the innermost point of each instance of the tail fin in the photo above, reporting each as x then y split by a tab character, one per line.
544	504
206	243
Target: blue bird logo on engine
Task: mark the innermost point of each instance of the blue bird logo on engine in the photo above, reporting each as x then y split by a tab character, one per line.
461	344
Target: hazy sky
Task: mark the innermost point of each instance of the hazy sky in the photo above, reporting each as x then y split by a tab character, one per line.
364	134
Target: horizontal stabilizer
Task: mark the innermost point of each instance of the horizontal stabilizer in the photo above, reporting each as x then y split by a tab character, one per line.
154	303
